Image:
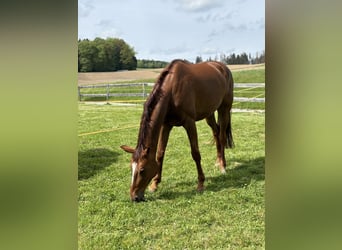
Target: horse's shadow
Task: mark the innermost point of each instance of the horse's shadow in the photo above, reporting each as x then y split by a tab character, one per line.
94	160
236	177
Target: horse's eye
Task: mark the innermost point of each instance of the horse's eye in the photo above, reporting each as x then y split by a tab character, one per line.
141	170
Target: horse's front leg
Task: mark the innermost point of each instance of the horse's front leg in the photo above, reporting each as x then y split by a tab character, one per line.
191	130
162	143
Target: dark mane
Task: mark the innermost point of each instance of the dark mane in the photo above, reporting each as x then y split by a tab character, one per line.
149	106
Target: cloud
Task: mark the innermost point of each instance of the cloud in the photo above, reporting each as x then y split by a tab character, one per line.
107	28
242	27
85	7
204	19
221	31
217	17
214	33
105	23
199	5
238	28
215	53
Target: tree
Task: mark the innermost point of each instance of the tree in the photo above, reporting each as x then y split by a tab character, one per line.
113	49
100	60
152	64
87	53
127	57
259	58
199	59
102	55
242	58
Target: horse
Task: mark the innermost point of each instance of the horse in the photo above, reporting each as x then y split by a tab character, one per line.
183	94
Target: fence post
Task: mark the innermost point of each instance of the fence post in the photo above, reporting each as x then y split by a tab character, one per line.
144	92
79	93
107	97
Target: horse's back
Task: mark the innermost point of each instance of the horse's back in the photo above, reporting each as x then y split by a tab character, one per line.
200	89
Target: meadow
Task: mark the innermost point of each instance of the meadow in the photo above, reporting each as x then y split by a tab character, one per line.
229	214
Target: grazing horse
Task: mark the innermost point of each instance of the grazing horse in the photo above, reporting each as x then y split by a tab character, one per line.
183	94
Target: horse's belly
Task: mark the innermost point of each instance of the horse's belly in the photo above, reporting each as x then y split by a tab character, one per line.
194	109
175	119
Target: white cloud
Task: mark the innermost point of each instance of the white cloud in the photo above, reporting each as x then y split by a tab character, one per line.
237	28
204	18
105	23
214	33
198	5
216	17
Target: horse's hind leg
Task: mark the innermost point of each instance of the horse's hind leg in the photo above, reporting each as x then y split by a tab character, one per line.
216	132
191	130
224	122
162	143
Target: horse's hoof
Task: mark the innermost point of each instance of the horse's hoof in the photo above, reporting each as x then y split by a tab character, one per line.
223	171
200	188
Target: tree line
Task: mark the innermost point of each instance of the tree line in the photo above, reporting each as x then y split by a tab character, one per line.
113	54
101	55
151	64
233	58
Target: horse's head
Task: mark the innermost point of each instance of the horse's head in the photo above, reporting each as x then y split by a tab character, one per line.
144	168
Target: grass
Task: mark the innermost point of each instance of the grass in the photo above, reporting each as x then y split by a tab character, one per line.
229	214
249	76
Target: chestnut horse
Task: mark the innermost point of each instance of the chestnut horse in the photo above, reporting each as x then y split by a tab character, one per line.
183	94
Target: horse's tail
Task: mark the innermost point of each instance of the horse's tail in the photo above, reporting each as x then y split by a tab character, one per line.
230	79
230	141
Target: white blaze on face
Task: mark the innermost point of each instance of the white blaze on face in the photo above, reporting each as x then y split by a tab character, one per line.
134	167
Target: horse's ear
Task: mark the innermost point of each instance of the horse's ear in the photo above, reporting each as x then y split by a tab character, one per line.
145	152
127	149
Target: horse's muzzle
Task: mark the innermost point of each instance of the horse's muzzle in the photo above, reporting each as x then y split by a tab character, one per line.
138	197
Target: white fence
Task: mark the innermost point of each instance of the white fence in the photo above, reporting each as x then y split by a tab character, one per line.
143	93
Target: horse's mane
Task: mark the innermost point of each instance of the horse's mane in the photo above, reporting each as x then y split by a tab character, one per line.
150	104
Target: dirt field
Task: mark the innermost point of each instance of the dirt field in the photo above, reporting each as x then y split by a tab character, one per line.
110	77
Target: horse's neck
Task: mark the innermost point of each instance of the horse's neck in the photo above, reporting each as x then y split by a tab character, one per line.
157	120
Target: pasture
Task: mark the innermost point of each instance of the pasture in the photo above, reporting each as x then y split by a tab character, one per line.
229	214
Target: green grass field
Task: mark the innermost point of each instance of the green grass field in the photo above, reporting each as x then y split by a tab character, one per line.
229	214
246	76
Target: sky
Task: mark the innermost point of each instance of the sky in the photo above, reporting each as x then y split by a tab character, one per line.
169	29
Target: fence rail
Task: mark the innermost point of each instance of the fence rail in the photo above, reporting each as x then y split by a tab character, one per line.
143	92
